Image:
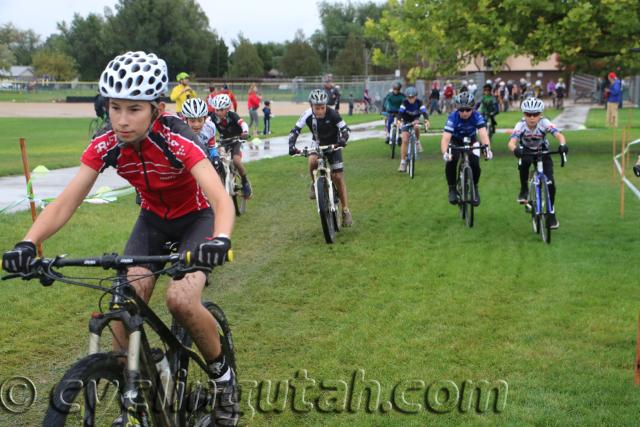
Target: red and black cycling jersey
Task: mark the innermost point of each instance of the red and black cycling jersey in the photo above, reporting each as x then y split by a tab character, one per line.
160	171
325	131
232	125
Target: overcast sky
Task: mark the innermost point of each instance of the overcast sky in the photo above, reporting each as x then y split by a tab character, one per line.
258	20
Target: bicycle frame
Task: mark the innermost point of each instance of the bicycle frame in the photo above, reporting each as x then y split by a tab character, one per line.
323	169
141	375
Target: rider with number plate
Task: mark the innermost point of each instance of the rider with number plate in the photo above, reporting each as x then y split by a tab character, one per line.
465	122
230	124
327	128
531	132
158	154
409	115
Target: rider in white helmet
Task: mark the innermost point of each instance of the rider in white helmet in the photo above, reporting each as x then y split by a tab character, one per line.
196	113
530	134
230	125
158	154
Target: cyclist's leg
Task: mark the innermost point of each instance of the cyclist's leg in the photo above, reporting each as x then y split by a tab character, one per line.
145	239
451	174
183	296
404	146
547	168
523	171
474	162
337	174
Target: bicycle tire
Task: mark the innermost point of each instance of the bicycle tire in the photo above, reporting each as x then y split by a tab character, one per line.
239	201
545	212
63	403
533	203
393	140
325	210
468	195
412	158
336	215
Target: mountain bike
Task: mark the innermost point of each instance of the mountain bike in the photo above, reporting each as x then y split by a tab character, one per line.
539	201
232	180
412	152
161	385
465	186
328	202
394	135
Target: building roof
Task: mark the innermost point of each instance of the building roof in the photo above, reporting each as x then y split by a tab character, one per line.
517	63
18	71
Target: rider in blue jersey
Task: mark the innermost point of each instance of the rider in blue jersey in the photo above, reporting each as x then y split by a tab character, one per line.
409	114
462	123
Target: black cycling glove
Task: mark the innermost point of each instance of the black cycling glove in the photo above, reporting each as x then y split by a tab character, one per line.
563	149
636	170
213	252
518	152
18	259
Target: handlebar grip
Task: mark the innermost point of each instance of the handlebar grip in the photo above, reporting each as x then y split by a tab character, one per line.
230	255
563	159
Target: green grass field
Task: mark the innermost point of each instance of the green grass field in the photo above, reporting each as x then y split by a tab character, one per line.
627	116
57	143
408	294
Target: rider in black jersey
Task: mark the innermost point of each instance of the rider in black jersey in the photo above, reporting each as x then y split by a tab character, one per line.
327	128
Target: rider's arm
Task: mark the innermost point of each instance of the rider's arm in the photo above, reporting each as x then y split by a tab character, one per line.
484	136
221	203
512	144
560	137
444	142
56	215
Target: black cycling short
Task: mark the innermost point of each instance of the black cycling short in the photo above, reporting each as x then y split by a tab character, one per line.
234	148
151	233
335	161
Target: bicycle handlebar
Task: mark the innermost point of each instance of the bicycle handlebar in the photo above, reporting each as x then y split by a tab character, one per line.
324	148
528	152
224	141
40	268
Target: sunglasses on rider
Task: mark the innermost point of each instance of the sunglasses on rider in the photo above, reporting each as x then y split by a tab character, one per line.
532	114
465	110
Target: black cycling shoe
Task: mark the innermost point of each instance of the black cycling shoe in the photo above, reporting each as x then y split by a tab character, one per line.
453	196
523	197
476	199
554	224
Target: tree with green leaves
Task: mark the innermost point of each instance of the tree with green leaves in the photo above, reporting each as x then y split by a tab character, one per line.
7	58
245	61
300	59
338	22
439	38
350	60
57	65
21	43
85	40
219	57
270	53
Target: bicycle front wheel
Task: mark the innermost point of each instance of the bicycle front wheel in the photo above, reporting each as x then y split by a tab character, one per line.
239	201
324	206
468	195
90	393
545	212
393	140
412	159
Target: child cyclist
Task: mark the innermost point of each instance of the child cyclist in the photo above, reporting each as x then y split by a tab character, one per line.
195	111
409	115
229	125
530	133
465	122
488	107
327	128
158	155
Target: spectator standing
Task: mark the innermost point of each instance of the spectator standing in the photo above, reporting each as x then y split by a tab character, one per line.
182	92
253	103
266	111
434	98
333	92
351	101
614	99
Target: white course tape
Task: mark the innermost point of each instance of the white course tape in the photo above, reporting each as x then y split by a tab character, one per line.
619	167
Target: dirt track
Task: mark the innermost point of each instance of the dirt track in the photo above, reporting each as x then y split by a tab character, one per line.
44	109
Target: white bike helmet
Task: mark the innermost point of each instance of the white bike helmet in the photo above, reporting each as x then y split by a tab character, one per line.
532	105
134	75
194	108
221	102
464	100
318	97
